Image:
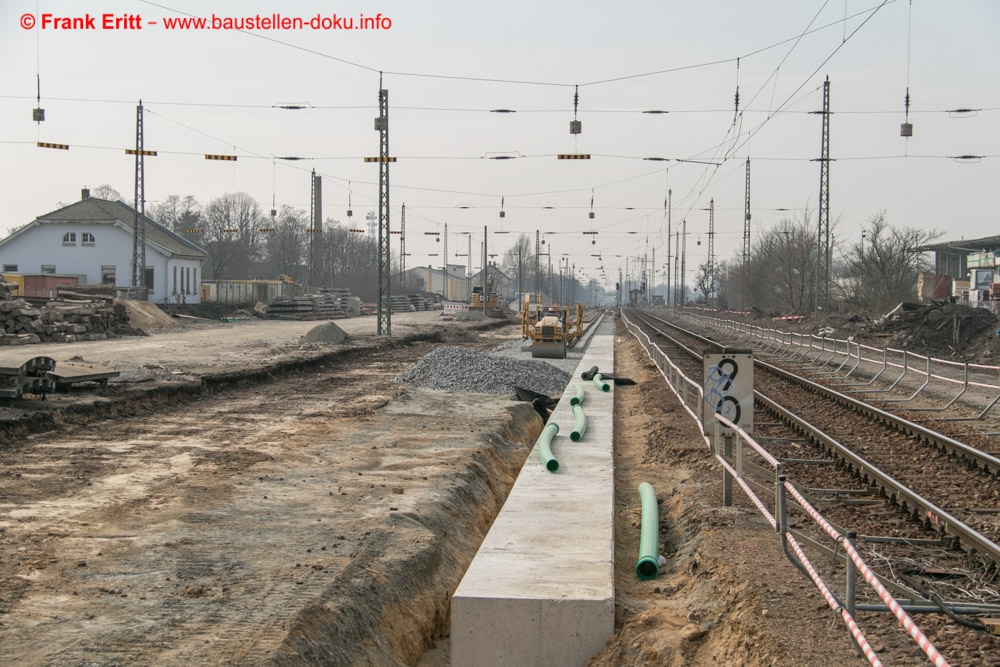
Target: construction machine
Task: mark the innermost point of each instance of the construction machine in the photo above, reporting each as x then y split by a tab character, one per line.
551	330
492	304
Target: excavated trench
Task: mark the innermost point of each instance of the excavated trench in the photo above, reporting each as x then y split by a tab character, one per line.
305	512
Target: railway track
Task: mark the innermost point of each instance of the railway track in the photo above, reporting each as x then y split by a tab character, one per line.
923	503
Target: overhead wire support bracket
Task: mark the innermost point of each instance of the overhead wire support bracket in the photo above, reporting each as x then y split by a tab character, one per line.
575	126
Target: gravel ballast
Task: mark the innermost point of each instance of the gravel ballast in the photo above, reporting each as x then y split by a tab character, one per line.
458	369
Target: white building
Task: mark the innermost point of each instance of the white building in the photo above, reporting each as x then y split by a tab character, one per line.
92	239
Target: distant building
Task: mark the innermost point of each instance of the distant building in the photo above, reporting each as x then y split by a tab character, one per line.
92	239
956	258
453	285
971	266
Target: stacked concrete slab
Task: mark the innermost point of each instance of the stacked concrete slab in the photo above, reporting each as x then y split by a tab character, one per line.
540	591
33	376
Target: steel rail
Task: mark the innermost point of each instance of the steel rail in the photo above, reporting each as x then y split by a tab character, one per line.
897	491
987	461
902	495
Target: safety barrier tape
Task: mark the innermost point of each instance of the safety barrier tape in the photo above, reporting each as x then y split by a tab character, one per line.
904	619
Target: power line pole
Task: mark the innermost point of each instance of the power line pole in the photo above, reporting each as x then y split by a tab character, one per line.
483	276
746	238
669	204
384	269
711	251
402	248
822	282
538	277
316	235
444	278
684	248
139	226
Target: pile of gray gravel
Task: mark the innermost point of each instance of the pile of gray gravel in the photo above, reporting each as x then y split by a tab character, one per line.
459	369
325	333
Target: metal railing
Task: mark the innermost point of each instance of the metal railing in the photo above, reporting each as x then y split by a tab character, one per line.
731	460
880	361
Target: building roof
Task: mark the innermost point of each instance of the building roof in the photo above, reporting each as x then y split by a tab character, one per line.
97	210
965	245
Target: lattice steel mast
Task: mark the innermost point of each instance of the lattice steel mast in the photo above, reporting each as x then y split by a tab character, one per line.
711	251
668	204
384	267
822	282
139	227
746	238
316	230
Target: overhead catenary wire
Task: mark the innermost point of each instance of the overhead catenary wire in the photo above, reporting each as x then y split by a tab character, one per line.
526	82
711	179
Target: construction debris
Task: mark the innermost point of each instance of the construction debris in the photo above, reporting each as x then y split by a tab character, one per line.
30	377
59	321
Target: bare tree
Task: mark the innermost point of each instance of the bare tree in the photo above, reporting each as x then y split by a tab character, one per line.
519	261
180	215
285	246
232	234
105	191
881	269
704	282
780	271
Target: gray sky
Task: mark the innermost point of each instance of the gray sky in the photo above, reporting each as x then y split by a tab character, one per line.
446	64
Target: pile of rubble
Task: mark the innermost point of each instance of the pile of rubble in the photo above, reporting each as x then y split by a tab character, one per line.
949	331
59	321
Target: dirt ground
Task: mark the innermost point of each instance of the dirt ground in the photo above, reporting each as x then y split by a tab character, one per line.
302	509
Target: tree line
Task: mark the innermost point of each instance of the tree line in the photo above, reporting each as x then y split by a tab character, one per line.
868	275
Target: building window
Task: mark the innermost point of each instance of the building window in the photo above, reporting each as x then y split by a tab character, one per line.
48	268
108	275
175	280
149	279
69	238
187	280
86	238
10	268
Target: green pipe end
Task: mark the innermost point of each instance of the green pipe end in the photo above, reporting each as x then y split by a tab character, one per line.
575	436
543	445
600	383
647	568
574	401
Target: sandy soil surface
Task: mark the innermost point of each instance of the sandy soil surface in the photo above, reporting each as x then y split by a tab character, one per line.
214	347
320	517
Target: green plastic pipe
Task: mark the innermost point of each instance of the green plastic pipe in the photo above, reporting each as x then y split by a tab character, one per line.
600	383
581	424
648	565
577	399
544	447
